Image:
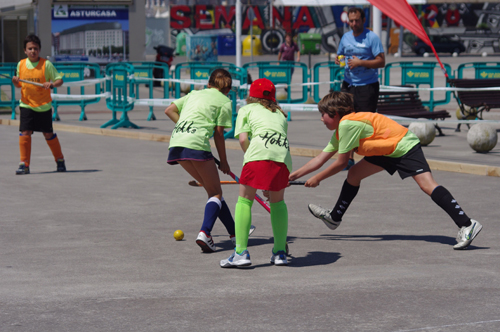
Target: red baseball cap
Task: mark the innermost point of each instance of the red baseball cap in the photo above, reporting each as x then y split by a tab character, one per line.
263	88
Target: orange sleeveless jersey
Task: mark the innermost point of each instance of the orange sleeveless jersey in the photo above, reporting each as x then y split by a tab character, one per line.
33	95
386	134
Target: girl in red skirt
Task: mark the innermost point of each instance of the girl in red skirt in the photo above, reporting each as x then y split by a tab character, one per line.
267	164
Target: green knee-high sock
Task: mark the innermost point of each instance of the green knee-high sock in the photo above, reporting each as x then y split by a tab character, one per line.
279	222
242	222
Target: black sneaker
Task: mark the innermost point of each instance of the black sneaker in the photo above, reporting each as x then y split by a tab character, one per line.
23	169
61	167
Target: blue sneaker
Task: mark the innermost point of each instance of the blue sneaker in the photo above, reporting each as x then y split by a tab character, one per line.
23	169
237	260
349	164
279	258
61	166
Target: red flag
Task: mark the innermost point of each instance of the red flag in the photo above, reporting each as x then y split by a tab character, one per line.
402	13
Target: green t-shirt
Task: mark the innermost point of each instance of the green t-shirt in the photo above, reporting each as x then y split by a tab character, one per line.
351	132
51	75
268	133
200	112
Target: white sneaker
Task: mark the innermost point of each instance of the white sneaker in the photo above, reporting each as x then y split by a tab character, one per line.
279	258
324	215
205	242
236	260
467	234
252	229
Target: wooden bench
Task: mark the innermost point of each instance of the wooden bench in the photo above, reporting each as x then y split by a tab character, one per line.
478	101
407	104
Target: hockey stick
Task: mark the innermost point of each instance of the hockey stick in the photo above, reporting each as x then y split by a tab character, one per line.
259	199
25	81
195	183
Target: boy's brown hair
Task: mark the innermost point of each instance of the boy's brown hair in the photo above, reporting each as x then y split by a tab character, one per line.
32	39
336	102
221	80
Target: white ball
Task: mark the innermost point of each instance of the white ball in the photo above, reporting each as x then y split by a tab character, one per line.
281	95
455	54
425	131
186	88
484	54
482	137
396	55
426	55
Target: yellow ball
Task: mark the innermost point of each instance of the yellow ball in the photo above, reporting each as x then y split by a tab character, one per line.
178	235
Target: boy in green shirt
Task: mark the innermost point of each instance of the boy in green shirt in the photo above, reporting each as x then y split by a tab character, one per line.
386	145
36	103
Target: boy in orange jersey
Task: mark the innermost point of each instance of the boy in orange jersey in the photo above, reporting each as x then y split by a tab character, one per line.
385	145
36	103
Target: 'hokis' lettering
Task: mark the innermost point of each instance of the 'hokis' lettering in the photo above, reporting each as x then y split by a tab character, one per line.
184	127
275	139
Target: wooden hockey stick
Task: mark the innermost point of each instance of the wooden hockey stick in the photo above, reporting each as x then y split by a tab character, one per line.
195	183
25	81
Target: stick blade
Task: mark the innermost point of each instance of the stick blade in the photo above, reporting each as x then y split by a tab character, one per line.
297	183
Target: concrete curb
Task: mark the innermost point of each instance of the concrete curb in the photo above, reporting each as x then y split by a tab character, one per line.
300	152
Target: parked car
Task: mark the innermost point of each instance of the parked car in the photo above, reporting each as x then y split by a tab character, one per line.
442	44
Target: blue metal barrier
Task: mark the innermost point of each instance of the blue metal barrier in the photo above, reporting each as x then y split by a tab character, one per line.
73	72
121	87
281	73
202	71
144	73
9	70
336	74
481	70
419	73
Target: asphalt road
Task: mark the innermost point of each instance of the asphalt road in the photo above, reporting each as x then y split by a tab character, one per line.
92	249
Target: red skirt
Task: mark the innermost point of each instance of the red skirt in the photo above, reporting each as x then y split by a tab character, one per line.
265	175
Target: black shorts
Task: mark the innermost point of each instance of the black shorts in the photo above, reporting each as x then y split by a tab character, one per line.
178	153
365	96
35	121
411	164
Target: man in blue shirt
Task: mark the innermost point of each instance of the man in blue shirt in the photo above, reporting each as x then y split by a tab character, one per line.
364	54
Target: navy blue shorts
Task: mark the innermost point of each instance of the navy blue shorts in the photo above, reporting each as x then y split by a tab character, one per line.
35	121
411	164
178	153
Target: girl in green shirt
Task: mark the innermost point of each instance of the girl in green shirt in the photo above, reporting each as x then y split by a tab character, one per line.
198	115
267	165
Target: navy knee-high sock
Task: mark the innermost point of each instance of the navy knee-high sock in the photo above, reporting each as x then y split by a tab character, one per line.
347	194
226	217
442	197
212	210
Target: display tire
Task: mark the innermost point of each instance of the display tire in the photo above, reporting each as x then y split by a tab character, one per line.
271	40
324	41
